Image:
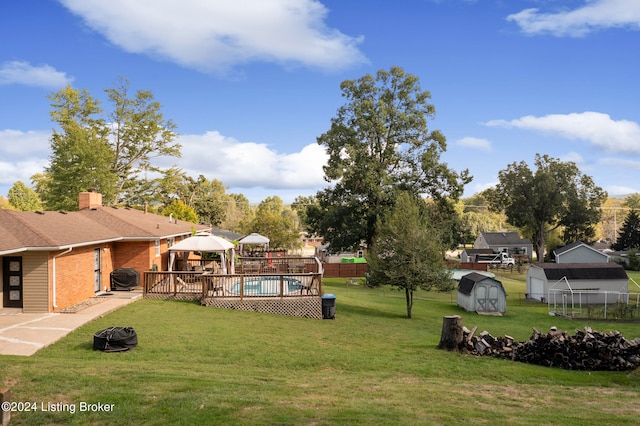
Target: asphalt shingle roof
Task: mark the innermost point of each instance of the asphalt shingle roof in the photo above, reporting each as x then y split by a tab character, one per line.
468	281
41	230
583	271
504	238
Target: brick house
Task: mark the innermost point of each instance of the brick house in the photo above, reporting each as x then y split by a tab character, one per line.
52	260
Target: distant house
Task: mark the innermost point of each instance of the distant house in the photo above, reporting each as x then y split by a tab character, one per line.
482	294
546	279
579	252
508	242
471	254
52	260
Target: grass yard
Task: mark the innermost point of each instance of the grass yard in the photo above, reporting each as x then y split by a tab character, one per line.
197	365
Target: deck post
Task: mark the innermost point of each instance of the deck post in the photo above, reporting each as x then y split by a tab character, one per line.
281	286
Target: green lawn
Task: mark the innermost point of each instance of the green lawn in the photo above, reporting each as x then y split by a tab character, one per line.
371	365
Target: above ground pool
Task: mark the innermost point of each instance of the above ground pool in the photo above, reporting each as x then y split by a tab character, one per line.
266	286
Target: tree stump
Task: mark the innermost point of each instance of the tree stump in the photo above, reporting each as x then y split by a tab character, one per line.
452	334
5	415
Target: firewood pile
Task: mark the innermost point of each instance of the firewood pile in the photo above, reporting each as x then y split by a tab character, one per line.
586	350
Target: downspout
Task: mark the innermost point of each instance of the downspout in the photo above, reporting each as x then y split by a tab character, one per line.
55	304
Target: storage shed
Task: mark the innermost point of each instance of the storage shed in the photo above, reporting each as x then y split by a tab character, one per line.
482	294
576	277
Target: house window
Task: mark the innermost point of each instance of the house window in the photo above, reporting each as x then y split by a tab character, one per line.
170	242
157	248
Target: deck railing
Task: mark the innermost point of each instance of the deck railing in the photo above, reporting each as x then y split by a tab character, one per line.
256	265
205	284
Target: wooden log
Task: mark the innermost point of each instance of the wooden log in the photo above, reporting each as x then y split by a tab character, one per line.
452	336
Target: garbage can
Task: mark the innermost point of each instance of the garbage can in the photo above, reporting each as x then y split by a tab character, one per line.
328	306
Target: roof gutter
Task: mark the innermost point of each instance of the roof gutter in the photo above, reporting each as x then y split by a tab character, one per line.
55	303
56	248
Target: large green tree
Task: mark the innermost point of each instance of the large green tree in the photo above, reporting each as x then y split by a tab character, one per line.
113	158
555	195
477	217
239	214
632	201
629	236
407	253
207	197
81	155
23	198
139	134
278	223
179	210
378	143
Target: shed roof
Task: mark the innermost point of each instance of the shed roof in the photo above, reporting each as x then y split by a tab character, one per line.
583	271
469	281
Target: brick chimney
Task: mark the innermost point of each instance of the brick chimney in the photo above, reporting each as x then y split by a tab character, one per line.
89	200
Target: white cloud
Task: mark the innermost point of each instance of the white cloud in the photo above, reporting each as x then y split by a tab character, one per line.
248	165
217	35
573	157
595	14
476	188
19	72
618	191
16	143
22	154
620	163
475	143
599	129
245	167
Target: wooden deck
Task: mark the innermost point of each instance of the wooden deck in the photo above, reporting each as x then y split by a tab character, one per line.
293	289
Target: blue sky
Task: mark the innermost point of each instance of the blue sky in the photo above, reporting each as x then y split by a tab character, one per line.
251	84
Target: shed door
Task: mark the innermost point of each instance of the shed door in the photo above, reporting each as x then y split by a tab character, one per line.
12	282
481	298
487	298
493	299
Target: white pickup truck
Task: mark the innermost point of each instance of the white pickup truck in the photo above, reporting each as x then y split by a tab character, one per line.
502	259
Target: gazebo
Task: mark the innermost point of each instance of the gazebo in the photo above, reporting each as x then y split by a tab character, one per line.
204	242
254	239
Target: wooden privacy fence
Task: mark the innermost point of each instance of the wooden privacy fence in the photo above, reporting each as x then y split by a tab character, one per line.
344	270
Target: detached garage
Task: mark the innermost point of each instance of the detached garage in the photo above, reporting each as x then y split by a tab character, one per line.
546	279
482	294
